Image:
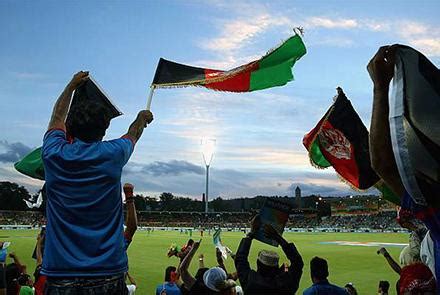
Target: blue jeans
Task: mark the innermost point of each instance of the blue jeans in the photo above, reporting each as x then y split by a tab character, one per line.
113	285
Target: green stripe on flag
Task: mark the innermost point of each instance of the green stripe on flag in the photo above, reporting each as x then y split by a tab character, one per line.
316	155
275	69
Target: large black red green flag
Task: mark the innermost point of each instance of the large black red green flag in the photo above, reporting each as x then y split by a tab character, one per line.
341	140
273	69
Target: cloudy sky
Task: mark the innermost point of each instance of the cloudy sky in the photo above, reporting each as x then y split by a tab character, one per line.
258	135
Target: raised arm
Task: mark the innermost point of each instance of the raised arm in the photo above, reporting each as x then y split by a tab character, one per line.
394	265
381	70
296	262
20	266
137	127
187	278
220	261
61	107
241	258
131	221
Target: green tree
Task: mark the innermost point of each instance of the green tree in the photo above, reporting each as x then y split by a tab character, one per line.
12	196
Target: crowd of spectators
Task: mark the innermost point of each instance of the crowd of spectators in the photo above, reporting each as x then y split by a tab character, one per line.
84	249
379	221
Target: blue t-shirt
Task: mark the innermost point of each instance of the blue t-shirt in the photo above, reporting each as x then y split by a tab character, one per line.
325	288
170	288
84	233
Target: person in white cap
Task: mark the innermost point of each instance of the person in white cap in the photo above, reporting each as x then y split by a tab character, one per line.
216	280
269	278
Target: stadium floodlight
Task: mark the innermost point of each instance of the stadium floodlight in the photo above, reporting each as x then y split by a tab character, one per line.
208	147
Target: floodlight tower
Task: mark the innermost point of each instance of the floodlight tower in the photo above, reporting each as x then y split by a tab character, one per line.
208	146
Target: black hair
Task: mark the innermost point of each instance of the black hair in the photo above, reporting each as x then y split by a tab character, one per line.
168	272
319	268
23	280
384	286
267	271
88	121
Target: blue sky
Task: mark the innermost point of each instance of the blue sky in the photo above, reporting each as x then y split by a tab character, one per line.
259	135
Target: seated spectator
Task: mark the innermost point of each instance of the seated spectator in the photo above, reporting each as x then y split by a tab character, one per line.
40	280
319	273
384	286
194	285
217	280
169	286
269	277
132	286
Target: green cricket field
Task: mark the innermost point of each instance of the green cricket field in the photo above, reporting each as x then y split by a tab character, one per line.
351	256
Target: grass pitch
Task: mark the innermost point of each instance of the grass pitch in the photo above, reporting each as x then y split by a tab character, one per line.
147	255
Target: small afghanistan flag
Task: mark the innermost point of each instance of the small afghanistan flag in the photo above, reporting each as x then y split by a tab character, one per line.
273	69
341	140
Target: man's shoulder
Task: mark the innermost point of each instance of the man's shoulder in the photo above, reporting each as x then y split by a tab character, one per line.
309	291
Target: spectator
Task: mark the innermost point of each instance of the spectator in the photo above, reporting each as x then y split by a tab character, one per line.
217	280
40	280
132	286
3	255
169	286
269	277
319	273
25	283
381	70
384	286
194	285
131	222
84	236
414	276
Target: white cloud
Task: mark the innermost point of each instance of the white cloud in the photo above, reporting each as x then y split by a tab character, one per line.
328	23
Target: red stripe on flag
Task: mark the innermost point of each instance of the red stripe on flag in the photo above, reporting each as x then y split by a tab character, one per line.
338	150
237	83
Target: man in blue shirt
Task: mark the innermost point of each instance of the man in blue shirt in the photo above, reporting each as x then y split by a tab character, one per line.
169	286
84	246
319	274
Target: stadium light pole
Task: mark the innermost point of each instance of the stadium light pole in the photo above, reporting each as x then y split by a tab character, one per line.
208	146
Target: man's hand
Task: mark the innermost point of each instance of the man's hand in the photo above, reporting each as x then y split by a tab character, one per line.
128	189
145	116
136	128
201	257
381	66
383	251
78	79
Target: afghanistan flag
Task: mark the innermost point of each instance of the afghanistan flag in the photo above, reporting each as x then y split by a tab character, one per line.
273	69
341	140
32	164
415	125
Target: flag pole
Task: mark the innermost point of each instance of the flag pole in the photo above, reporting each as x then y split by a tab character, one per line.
150	97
